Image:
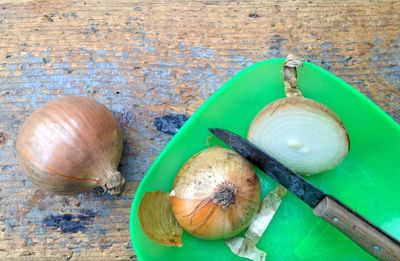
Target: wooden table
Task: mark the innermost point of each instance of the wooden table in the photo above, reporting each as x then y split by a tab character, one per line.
147	59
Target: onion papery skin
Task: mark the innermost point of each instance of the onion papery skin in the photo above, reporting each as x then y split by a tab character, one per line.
71	145
199	205
304	135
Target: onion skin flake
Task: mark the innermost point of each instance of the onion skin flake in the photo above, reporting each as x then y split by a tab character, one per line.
246	247
157	220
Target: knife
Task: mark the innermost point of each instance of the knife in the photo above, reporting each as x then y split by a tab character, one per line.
367	235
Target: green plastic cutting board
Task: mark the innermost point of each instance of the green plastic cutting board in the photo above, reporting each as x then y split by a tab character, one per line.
368	180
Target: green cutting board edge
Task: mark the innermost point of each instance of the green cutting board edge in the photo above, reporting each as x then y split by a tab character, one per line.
368	180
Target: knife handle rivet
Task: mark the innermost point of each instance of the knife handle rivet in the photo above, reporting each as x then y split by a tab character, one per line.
335	220
376	248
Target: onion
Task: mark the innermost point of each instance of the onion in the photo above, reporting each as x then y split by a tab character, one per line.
72	145
304	135
159	223
216	194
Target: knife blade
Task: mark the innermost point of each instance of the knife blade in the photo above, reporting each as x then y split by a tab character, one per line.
367	235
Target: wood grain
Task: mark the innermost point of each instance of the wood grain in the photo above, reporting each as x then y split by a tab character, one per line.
144	59
375	241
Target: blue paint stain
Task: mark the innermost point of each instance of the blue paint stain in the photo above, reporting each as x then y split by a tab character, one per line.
171	123
70	53
151	49
8	168
326	55
327	45
29	241
33	59
88	212
104	65
387	60
101	52
182	46
77	249
207	79
35	77
12	67
105	245
243	61
93	28
59	80
10	223
70	223
158	76
169	64
6	177
135	50
125	118
311	58
125	55
140	37
377	52
128	22
46	52
28	184
201	52
231	72
236	62
61	66
277	45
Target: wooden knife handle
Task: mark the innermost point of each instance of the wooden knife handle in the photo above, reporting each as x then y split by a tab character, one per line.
374	240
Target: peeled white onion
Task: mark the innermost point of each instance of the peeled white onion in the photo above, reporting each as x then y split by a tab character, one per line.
304	135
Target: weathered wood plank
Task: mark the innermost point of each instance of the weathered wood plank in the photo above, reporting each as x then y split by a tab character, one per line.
145	59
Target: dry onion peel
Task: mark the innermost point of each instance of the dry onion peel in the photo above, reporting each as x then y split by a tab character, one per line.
239	247
304	135
158	221
246	247
290	75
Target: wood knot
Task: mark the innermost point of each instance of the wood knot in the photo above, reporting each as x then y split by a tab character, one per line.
254	15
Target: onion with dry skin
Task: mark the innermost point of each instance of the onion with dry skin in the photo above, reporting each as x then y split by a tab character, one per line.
157	220
72	145
303	134
216	194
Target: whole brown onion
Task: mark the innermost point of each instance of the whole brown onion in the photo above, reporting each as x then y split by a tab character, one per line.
71	145
216	194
